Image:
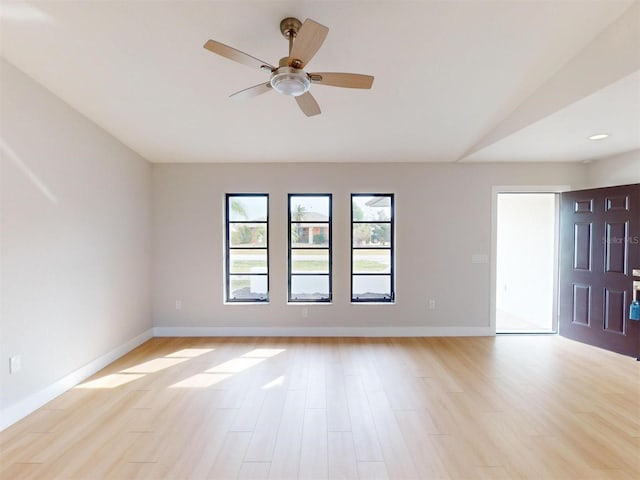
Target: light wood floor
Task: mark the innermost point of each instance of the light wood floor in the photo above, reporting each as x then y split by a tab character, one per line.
538	407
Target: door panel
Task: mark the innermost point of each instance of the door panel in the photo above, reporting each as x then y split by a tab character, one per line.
614	306
616	252
581	304
599	247
582	243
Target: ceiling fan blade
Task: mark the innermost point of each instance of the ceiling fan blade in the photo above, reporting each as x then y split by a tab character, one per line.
307	42
308	105
236	55
252	91
346	80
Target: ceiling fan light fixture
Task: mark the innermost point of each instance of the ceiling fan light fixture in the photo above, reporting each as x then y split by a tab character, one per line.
290	81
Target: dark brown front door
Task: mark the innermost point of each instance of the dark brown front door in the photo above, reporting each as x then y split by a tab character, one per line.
599	248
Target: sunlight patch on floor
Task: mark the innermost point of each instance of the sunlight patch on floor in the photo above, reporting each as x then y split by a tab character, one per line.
264	352
235	365
111	381
276	382
154	365
190	352
212	376
201	380
229	368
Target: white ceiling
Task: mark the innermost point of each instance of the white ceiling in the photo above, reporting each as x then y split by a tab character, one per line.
561	136
455	80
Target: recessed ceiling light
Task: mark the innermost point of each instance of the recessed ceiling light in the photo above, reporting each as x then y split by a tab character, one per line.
599	136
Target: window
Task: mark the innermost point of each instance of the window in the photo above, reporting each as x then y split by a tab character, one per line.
372	249
309	248
247	247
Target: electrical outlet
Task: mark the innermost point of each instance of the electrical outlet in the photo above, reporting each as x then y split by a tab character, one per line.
15	364
431	305
178	304
305	312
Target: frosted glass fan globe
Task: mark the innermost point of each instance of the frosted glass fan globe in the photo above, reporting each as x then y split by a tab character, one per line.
290	81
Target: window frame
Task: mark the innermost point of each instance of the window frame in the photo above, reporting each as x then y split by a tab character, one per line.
229	248
290	248
390	248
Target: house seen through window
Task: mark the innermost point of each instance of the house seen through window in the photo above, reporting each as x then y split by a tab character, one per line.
309	259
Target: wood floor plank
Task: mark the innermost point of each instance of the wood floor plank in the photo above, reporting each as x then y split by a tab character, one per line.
23	471
415	427
343	464
316	369
372	471
254	471
492	473
285	463
395	452
191	451
313	455
265	432
365	437
137	471
249	411
229	459
336	400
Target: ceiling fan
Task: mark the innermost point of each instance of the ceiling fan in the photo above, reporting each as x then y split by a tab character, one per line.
289	78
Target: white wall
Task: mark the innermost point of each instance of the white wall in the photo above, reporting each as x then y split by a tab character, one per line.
443	217
620	169
74	239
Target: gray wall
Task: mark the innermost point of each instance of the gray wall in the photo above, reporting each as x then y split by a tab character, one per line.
74	238
443	217
620	169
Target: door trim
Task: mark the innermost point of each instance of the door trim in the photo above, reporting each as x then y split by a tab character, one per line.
495	190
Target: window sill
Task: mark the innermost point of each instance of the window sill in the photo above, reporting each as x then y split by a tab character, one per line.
245	303
374	303
302	304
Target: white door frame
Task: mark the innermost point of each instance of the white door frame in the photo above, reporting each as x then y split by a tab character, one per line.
495	190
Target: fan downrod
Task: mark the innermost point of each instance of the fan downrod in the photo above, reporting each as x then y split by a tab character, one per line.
289	28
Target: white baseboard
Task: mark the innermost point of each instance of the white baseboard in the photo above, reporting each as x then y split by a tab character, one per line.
17	411
322	331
